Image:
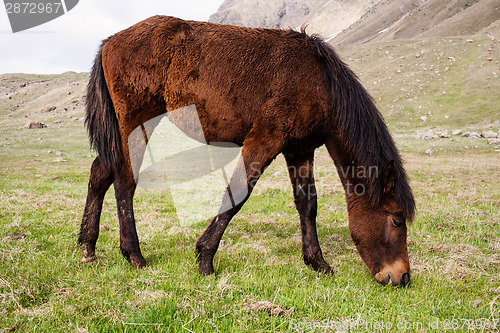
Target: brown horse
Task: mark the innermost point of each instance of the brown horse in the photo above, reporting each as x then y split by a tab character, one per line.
269	91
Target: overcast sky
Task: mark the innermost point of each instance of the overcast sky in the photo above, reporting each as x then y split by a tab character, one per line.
69	43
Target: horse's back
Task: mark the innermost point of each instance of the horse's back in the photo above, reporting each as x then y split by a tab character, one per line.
234	75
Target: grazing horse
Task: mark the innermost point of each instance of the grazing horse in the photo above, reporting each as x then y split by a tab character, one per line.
269	91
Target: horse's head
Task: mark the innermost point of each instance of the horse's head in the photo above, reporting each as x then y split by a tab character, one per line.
380	233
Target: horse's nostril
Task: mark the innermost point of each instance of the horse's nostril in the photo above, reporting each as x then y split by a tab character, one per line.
405	279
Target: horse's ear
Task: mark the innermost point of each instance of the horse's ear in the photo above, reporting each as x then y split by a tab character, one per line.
388	177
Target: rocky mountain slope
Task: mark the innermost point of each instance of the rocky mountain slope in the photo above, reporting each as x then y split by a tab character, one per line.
347	22
325	17
416	19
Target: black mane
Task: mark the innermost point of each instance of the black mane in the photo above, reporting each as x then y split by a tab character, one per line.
362	130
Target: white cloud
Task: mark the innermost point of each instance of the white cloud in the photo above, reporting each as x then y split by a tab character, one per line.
69	42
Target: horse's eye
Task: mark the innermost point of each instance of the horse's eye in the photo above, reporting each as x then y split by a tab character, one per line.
397	222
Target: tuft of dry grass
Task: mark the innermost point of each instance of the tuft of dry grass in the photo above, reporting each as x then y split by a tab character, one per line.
269	307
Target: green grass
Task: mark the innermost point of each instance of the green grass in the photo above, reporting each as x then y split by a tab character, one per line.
454	243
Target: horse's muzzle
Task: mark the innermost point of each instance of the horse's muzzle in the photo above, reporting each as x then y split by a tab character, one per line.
394	280
396	274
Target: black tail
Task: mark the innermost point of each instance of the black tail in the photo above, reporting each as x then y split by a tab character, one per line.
101	121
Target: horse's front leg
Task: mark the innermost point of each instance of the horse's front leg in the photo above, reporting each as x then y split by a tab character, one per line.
258	152
300	169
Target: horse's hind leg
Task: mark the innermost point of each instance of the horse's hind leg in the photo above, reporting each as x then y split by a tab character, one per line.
125	185
256	155
99	182
300	169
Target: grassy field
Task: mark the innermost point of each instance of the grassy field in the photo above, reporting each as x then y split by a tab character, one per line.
261	283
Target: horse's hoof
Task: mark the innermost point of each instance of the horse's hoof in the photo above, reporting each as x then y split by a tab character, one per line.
88	259
327	271
206	269
88	254
138	262
322	267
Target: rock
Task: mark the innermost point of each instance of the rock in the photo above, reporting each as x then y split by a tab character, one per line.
489	134
494	141
426	135
456	132
35	124
48	108
423	118
472	135
445	134
429	135
476	303
17	235
59	153
429	152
